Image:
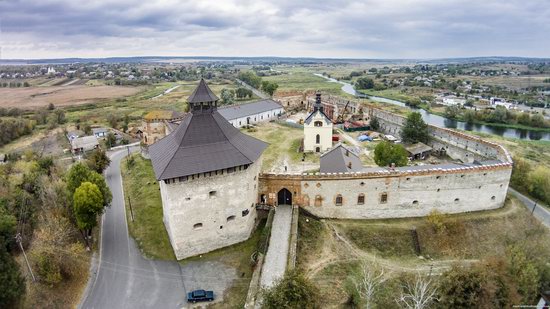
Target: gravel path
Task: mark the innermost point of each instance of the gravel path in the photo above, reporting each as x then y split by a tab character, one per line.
277	253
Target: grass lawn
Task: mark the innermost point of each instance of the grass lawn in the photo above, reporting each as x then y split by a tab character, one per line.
304	80
283	142
148	228
237	256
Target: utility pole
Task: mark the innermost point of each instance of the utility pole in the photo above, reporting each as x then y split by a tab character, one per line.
533	210
18	239
131	211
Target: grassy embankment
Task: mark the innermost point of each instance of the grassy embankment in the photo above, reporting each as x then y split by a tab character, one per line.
460	237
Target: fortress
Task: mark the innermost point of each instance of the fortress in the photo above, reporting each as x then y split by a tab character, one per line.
211	180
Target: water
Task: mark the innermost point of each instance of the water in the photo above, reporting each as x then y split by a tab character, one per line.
443	122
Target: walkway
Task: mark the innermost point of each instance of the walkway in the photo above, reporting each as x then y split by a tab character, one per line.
277	253
541	213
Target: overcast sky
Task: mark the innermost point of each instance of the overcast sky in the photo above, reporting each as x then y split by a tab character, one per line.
295	28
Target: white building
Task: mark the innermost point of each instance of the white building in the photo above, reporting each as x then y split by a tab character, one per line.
208	175
317	129
249	113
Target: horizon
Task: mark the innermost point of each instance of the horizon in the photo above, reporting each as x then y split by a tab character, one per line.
350	29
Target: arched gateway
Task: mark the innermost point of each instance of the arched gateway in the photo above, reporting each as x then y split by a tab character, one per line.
284	197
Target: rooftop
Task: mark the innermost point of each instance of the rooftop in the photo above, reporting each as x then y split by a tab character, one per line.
202	94
242	110
340	159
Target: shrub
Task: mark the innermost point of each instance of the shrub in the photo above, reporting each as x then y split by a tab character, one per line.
294	290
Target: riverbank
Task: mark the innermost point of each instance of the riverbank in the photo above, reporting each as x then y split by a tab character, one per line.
405	99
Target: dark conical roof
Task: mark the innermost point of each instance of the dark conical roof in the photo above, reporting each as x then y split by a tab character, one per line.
202	143
202	94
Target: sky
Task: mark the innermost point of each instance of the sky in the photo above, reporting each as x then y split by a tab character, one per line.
382	29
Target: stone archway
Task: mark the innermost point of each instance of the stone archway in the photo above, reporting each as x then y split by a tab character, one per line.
284	197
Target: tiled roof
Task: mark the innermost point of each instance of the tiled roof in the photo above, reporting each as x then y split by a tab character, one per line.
340	159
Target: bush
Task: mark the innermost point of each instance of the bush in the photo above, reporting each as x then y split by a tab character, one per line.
47	268
294	290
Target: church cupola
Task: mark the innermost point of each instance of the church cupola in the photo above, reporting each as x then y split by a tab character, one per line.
202	100
318	106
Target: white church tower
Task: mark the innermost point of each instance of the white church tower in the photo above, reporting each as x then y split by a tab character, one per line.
317	129
208	175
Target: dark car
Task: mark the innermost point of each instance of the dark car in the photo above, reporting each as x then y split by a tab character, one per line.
200	295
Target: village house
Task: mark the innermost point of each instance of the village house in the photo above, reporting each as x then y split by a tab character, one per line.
83	144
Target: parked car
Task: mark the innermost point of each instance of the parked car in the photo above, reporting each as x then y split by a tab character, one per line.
200	295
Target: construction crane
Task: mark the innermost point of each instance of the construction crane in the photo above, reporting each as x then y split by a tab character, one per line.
340	118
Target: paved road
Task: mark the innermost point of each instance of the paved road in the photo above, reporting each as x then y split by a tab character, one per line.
254	90
277	253
541	213
123	278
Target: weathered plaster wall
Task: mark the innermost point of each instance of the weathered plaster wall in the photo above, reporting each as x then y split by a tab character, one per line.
218	202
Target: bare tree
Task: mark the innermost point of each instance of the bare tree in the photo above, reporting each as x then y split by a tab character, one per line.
369	281
417	293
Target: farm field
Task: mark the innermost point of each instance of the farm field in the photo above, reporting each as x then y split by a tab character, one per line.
36	97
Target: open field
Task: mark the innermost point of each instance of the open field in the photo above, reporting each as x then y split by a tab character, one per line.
147	228
36	97
330	251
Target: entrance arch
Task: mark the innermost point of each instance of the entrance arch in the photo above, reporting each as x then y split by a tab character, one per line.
284	197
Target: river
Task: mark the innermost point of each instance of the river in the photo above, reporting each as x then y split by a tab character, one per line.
443	122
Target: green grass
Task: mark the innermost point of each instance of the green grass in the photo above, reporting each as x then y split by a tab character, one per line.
302	80
311	233
147	228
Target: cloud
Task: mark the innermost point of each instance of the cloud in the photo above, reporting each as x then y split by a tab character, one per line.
329	28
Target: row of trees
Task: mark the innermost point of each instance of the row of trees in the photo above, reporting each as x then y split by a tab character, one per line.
52	207
14	84
256	81
499	115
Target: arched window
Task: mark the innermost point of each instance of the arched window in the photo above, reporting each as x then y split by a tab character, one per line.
318	139
318	123
361	199
339	199
197	226
318	200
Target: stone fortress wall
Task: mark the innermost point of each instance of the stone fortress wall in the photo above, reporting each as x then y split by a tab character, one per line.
210	210
406	191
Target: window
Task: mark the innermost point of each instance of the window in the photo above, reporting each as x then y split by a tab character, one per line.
415	202
318	139
318	200
384	198
245	212
212	194
361	199
318	123
197	226
339	200
349	165
230	218
493	198
457	200
347	153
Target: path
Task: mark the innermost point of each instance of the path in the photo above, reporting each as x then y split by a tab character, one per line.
541	213
277	253
254	90
167	91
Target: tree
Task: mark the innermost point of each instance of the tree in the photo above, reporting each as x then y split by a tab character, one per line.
387	153
269	87
251	79
87	204
242	93
110	140
539	183
98	161
227	96
415	129
368	283
12	284
294	290
469	116
452	111
80	173
520	174
374	124
364	83
417	293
